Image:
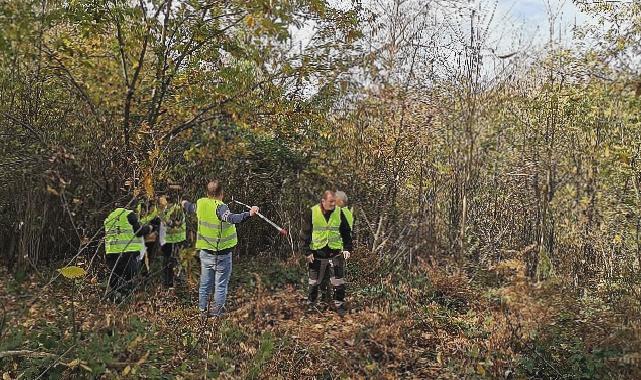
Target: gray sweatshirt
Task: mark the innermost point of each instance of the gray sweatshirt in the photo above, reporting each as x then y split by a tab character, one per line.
223	212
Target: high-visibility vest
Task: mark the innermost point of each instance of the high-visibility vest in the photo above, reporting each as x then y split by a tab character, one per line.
175	234
349	216
326	233
148	216
213	234
119	234
145	217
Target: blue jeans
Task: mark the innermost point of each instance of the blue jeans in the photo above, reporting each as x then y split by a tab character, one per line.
214	270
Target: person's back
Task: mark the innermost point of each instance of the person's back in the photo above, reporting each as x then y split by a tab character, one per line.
123	244
213	233
173	235
119	234
216	238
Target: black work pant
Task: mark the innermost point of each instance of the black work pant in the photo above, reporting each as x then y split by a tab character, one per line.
169	262
122	269
326	289
336	268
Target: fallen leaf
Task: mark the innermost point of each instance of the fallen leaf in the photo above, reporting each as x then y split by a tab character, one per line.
143	358
72	272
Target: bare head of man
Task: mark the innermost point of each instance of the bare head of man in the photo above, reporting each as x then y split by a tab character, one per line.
341	199
328	202
215	189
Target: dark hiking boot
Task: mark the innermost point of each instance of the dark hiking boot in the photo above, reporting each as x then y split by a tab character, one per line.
311	308
340	309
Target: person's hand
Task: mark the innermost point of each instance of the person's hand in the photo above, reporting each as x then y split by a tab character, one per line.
310	258
253	210
346	254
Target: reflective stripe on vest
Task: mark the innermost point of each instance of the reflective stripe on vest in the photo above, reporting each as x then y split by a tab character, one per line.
326	233
148	215
213	234
119	234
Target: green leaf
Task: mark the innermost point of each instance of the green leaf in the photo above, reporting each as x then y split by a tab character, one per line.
72	272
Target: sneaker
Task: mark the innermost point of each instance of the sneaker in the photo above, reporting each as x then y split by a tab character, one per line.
209	314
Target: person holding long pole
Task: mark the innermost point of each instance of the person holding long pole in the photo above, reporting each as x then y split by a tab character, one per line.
216	239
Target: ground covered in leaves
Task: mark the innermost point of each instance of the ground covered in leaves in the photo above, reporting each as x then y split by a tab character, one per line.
437	320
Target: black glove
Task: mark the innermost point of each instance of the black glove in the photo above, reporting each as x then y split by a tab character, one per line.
155	222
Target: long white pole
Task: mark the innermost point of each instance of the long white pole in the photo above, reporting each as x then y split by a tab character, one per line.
281	230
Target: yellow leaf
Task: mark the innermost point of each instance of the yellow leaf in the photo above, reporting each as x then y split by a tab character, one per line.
126	371
480	369
6	376
72	272
439	358
250	21
618	239
148	185
134	343
53	191
143	358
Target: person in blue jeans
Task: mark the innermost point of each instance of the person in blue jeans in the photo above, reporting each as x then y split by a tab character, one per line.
216	239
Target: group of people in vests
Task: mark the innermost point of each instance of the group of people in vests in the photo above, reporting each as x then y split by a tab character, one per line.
133	231
326	240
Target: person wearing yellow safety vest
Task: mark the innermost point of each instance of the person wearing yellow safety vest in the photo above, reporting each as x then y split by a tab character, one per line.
148	212
123	244
173	234
326	240
341	201
216	239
